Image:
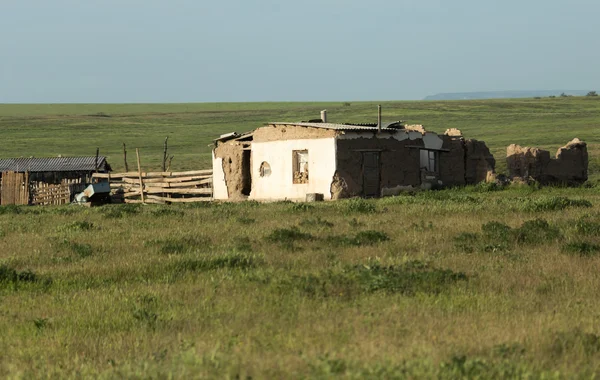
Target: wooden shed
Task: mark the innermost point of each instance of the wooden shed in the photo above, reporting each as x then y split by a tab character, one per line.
51	180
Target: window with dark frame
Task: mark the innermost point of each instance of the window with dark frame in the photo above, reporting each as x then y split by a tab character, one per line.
300	166
429	160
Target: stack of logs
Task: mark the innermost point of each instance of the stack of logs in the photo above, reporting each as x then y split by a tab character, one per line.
159	187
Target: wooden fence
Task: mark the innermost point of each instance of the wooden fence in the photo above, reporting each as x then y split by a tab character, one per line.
55	194
14	189
159	187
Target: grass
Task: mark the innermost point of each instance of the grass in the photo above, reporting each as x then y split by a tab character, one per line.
77	129
446	284
481	282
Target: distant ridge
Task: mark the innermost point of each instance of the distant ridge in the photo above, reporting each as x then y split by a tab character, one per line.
502	94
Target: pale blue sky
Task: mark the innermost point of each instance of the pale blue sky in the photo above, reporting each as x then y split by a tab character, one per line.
277	50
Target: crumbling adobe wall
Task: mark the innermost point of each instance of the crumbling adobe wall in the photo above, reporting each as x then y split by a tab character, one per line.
479	162
399	165
231	152
290	132
452	163
570	165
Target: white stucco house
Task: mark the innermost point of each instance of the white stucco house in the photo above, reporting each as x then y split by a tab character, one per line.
288	160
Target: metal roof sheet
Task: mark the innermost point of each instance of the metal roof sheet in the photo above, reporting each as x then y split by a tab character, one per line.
234	136
339	127
53	164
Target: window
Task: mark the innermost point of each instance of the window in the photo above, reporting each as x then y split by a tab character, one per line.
429	160
265	169
300	166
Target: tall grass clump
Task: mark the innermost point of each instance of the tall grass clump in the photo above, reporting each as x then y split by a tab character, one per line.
407	279
230	260
550	203
357	205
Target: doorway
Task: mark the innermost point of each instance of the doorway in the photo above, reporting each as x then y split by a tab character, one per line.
246	173
371	174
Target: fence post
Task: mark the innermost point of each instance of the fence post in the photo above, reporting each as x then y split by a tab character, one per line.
137	153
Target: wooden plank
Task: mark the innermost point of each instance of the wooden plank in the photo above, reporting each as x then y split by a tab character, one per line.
166	179
153	174
181	200
158	190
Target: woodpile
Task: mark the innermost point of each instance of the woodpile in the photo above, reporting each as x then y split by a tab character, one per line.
159	187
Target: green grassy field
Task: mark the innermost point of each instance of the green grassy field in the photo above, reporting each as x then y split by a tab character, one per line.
462	283
49	130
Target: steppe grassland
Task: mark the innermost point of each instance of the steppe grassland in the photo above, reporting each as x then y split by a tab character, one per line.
465	282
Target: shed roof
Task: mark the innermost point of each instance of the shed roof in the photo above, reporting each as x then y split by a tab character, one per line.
390	127
54	164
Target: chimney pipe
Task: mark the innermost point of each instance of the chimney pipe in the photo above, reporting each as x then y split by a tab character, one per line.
379	118
324	116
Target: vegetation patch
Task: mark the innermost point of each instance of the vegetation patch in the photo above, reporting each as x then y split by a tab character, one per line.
170	246
549	203
12	209
316	222
302	207
119	211
79	249
587	227
575	341
287	236
145	311
357	205
369	237
245	220
537	231
496	236
581	248
242	244
11	278
231	260
408	279
167	211
76	226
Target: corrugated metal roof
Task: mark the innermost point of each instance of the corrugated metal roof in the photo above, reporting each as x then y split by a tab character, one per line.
53	164
234	136
340	127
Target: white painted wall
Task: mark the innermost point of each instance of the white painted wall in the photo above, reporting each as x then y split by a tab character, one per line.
279	185
219	185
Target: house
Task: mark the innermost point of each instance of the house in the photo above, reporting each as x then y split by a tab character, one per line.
288	160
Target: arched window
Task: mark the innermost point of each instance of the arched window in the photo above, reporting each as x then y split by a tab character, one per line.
265	169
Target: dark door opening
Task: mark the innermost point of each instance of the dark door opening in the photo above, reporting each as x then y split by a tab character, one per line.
371	174
246	173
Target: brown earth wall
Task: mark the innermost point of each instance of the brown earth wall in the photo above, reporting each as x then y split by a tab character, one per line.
478	162
231	153
290	132
399	164
452	163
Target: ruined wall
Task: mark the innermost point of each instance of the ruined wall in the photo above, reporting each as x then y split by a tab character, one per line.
399	163
229	155
569	166
452	163
290	132
479	162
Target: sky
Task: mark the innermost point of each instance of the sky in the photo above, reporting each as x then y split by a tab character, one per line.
129	51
